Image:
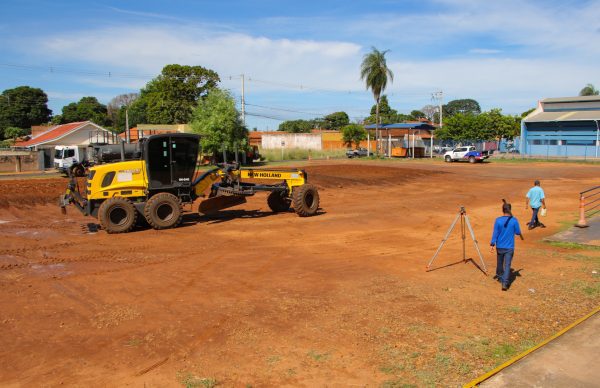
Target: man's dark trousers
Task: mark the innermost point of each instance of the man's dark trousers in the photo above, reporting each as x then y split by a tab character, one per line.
504	257
535	221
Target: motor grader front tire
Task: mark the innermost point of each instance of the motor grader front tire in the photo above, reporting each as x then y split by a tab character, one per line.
163	211
117	215
278	202
306	200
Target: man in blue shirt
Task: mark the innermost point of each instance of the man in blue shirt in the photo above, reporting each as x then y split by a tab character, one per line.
535	199
503	238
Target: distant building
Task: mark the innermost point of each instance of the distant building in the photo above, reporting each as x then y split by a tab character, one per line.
145	130
566	126
72	134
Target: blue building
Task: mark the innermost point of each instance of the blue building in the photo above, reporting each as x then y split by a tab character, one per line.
566	126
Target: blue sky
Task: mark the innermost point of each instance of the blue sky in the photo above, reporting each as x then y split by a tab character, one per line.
301	58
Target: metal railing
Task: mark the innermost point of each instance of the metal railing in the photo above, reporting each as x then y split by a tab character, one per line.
589	205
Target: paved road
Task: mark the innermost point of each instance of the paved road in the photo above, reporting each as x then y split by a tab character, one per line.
570	360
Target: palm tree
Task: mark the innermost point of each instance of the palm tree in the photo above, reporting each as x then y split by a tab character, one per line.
589	90
375	73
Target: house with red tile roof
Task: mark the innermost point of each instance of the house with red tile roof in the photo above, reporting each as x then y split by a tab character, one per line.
79	134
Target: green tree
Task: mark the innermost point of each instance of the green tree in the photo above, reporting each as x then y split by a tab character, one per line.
88	108
492	125
13	133
387	115
219	122
416	115
353	133
336	120
527	112
23	107
296	126
375	73
589	90
466	105
171	97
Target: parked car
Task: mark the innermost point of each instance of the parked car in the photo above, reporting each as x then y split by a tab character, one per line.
466	154
357	153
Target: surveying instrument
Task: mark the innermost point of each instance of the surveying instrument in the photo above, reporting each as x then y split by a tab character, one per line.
464	224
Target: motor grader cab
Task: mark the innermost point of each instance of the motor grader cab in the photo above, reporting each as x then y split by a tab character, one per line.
157	185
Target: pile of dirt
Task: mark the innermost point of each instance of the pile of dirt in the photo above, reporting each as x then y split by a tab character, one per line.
330	176
23	193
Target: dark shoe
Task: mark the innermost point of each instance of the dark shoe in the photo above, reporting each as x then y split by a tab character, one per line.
529	227
542	225
504	287
496	277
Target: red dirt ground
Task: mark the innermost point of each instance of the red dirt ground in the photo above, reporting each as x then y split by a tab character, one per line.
252	297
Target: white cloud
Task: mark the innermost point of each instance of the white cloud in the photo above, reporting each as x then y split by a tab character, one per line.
145	51
484	51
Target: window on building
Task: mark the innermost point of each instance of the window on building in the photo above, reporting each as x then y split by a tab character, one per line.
543	142
579	142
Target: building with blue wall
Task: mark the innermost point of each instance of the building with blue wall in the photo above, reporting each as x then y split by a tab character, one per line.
567	126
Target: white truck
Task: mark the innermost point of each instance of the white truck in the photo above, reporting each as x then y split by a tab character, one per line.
70	157
465	154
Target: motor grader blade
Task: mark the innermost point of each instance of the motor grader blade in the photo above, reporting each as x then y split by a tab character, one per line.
214	204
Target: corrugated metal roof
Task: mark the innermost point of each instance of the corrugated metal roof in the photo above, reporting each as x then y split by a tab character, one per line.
402	126
564	116
571	99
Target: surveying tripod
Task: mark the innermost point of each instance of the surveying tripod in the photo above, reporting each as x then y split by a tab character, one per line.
464	224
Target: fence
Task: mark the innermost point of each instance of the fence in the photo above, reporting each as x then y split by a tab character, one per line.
585	205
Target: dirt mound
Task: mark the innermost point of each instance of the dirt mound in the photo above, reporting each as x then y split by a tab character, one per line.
29	192
346	175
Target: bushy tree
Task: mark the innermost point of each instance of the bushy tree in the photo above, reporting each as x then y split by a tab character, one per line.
171	97
219	122
589	90
296	126
387	115
492	125
23	107
467	105
13	133
353	133
416	115
88	108
336	120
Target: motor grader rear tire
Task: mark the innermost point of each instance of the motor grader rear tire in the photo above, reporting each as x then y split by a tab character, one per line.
117	215
278	202
163	211
306	200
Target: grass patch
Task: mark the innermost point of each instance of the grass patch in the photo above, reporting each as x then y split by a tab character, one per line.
392	369
589	289
572	245
272	360
503	352
318	356
300	154
188	380
514	309
396	384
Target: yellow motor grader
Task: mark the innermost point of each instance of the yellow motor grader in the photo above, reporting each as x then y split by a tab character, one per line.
160	177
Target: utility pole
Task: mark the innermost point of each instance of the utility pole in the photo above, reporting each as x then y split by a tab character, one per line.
439	98
243	103
127	131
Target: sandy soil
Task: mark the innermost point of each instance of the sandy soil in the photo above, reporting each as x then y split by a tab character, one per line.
249	297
